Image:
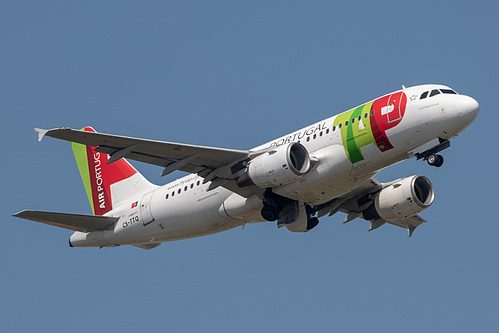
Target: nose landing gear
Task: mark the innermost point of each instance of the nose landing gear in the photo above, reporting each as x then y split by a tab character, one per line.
431	155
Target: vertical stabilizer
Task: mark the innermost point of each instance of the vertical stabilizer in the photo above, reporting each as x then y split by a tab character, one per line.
107	185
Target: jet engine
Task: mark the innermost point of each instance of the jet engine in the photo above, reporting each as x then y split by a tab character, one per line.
402	199
281	165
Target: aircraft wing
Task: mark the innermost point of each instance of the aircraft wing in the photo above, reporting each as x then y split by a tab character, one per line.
357	201
76	222
214	164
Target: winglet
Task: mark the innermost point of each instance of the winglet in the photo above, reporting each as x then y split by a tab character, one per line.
41	133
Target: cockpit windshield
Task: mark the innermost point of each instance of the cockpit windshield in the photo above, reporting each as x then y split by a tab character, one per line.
435	92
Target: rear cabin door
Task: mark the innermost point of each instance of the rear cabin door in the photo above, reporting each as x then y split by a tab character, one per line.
145	208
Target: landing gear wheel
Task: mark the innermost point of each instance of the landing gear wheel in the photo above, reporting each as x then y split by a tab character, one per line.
270	213
435	160
440	161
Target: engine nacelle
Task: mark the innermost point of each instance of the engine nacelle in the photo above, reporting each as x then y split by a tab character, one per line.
405	198
281	165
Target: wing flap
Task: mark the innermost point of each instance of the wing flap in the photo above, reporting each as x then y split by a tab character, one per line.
76	222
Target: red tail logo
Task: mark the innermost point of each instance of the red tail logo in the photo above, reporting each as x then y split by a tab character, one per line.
98	176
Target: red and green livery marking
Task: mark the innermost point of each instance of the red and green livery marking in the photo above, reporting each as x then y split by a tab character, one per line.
368	124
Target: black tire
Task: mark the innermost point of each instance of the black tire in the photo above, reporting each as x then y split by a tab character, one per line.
270	213
440	161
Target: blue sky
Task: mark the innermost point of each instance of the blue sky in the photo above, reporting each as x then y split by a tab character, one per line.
235	75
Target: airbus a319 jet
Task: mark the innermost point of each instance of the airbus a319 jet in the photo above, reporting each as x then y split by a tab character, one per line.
321	169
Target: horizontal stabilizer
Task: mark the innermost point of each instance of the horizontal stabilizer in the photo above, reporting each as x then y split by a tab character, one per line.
76	222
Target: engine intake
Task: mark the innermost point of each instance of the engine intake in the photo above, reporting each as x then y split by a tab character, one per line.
405	198
279	166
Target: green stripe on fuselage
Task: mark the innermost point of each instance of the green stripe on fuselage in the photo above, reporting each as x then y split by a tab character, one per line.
357	133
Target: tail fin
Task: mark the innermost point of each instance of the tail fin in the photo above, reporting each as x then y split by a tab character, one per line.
107	185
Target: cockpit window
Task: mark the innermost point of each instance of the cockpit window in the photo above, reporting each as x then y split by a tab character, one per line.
434	92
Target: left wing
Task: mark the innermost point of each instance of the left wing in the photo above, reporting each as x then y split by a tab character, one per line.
219	165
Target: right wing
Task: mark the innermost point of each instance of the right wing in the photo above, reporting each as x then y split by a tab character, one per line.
76	222
357	201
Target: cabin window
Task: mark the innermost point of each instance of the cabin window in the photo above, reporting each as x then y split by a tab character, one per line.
339	126
320	134
334	128
353	120
192	185
360	117
315	135
372	113
308	138
179	190
365	115
198	183
173	193
327	131
167	195
346	123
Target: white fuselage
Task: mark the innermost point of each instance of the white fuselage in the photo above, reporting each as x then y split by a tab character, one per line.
185	208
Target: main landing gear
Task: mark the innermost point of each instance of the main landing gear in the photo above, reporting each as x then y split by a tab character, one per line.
286	211
272	205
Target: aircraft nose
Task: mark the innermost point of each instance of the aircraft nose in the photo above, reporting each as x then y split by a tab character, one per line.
468	109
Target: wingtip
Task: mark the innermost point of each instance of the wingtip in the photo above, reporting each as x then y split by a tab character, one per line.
41	133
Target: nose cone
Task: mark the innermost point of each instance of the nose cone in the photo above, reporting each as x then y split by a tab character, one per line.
467	109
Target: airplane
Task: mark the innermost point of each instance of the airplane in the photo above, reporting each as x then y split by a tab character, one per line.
322	169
